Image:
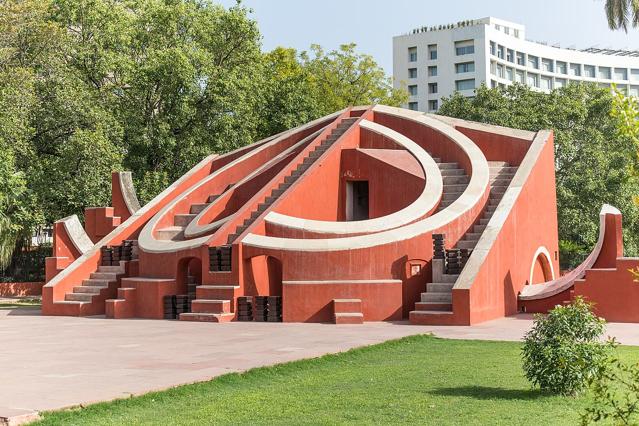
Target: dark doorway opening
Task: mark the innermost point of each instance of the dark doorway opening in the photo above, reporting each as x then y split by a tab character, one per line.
357	200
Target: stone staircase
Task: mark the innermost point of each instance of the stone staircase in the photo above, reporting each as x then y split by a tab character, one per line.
180	221
455	181
348	311
89	297
438	298
212	303
292	177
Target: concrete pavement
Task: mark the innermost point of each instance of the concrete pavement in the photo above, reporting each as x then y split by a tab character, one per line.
50	363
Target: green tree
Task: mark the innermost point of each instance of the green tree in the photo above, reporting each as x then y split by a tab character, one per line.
593	160
344	77
621	13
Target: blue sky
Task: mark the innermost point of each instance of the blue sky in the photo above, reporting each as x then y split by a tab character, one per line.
373	23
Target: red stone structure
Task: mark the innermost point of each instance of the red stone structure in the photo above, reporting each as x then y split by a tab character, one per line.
368	214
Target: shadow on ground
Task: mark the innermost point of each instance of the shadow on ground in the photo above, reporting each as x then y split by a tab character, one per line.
487	392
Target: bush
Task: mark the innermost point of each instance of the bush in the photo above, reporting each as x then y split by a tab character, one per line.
615	395
564	349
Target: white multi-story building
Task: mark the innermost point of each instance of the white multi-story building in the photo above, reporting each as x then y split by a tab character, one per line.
435	62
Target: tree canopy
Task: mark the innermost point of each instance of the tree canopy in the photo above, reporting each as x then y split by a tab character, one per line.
594	157
151	86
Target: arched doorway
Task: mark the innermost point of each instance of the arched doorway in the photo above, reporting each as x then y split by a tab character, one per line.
189	275
541	269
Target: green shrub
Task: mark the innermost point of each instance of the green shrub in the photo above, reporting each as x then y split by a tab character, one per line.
615	395
564	349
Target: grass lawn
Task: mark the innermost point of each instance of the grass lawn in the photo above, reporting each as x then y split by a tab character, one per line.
419	380
19	303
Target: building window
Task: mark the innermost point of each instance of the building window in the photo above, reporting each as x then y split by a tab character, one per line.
432	71
413	105
465	47
412	54
500	51
623	90
521	59
493	48
575	69
412	90
465	67
468	84
621	74
412	73
507	30
516	33
533	80
562	67
604	85
533	62
589	71
500	71
432	51
546	83
634	75
634	91
432	87
510	74
519	77
604	72
433	105
560	82
493	84
510	55
546	65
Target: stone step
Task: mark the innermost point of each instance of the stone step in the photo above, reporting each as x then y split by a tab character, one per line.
197	208
450	196
426	313
490	209
97	282
114	268
453	172
498	189
211	306
454	187
79	297
213	197
509	169
87	289
433	306
494	201
466	244
349	318
498	164
479	228
438	297
445	203
205	317
472	236
449	278
183	219
439	287
170	233
445	166
500	182
456	180
108	276
437	160
484	221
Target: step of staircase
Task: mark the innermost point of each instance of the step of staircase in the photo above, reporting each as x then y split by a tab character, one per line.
108	276
87	289
204	317
455	180
445	166
452	172
170	233
349	318
466	244
445	297
183	219
198	207
211	306
439	287
450	196
79	297
434	306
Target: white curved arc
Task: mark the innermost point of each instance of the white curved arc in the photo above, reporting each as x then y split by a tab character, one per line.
425	202
127	189
193	229
541	250
147	241
77	234
470	197
551	288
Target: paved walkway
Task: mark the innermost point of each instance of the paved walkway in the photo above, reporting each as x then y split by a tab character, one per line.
55	362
